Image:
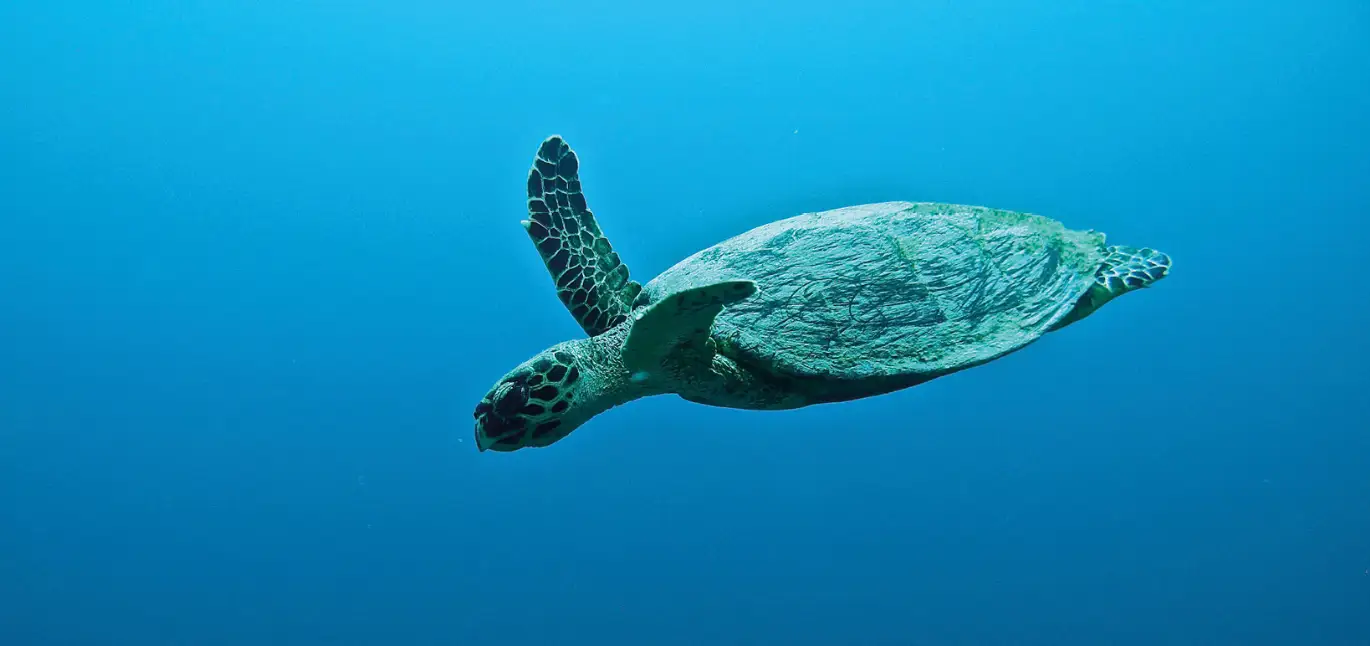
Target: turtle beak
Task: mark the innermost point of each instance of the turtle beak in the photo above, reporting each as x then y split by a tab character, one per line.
491	428
483	439
480	440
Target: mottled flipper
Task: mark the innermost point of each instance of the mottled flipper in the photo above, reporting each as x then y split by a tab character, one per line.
679	322
1125	269
591	280
1129	268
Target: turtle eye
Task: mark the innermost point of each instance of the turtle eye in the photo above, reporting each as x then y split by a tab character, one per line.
509	398
483	408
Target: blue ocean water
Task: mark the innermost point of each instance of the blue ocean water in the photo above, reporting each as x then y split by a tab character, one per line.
260	260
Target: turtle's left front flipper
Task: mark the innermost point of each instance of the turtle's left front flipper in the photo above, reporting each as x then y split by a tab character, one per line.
679	325
591	280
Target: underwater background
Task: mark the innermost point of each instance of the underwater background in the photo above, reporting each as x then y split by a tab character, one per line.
260	261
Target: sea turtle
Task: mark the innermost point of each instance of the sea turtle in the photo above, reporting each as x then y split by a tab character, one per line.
820	307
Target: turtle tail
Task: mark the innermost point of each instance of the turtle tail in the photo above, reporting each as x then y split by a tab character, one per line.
1125	269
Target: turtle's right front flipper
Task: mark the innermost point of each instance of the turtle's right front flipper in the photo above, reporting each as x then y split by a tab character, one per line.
591	280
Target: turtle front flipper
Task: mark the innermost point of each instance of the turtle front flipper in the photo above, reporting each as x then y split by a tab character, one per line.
679	326
591	280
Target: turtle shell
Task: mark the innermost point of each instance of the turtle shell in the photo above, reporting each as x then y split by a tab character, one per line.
892	290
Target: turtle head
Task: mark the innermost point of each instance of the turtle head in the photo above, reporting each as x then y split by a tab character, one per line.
533	405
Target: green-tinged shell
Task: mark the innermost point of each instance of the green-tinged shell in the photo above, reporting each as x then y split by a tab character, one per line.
897	289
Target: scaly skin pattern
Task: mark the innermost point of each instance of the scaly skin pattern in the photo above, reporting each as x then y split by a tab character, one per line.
1124	270
548	396
564	386
592	282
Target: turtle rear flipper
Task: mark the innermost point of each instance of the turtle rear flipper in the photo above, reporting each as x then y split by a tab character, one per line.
1129	268
591	280
1124	270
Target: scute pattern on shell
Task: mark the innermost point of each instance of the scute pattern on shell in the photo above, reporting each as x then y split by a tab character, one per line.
892	289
